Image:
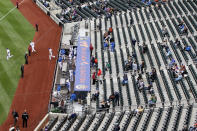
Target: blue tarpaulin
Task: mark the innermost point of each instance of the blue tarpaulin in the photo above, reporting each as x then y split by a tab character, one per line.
82	74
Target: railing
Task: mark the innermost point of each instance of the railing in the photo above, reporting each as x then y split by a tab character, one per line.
42	6
55	71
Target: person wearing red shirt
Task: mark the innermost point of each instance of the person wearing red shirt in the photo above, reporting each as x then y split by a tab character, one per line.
94	78
91	49
110	30
95	61
99	74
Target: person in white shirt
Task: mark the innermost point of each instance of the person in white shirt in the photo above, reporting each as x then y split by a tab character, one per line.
8	54
12	129
51	54
32	44
134	67
71	75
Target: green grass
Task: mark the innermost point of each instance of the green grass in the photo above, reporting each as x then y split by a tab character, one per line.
15	33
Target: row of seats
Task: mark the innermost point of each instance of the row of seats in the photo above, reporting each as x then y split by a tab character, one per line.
88	11
153	119
150	59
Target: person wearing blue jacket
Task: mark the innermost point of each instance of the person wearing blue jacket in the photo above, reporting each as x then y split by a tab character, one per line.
112	44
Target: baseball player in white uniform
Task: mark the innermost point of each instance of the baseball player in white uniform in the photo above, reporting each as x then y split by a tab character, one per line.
32	44
51	54
8	54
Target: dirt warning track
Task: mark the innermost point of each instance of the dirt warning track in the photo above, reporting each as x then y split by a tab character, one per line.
33	90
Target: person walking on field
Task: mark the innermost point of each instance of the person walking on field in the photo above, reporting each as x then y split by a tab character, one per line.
32	46
15	116
22	71
26	58
25	117
51	54
8	54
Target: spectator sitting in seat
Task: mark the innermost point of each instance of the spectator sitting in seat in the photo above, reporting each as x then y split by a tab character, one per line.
108	15
127	66
106	45
181	25
179	77
142	66
107	66
134	55
177	42
141	85
95	96
131	22
135	67
164	31
151	91
103	104
45	3
185	30
92	61
110	30
117	127
152	101
183	70
172	62
145	48
95	62
148	2
153	74
107	106
112	44
169	53
133	42
148	87
72	116
139	78
158	6
139	110
163	44
191	128
116	98
125	79
187	48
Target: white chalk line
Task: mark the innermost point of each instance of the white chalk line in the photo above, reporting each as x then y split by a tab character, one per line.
10	11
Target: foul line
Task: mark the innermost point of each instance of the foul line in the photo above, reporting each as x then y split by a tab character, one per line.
10	11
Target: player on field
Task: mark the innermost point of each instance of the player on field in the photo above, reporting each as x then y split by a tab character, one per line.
51	54
32	46
8	54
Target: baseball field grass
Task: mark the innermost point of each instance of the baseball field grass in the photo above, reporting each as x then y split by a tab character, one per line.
15	34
